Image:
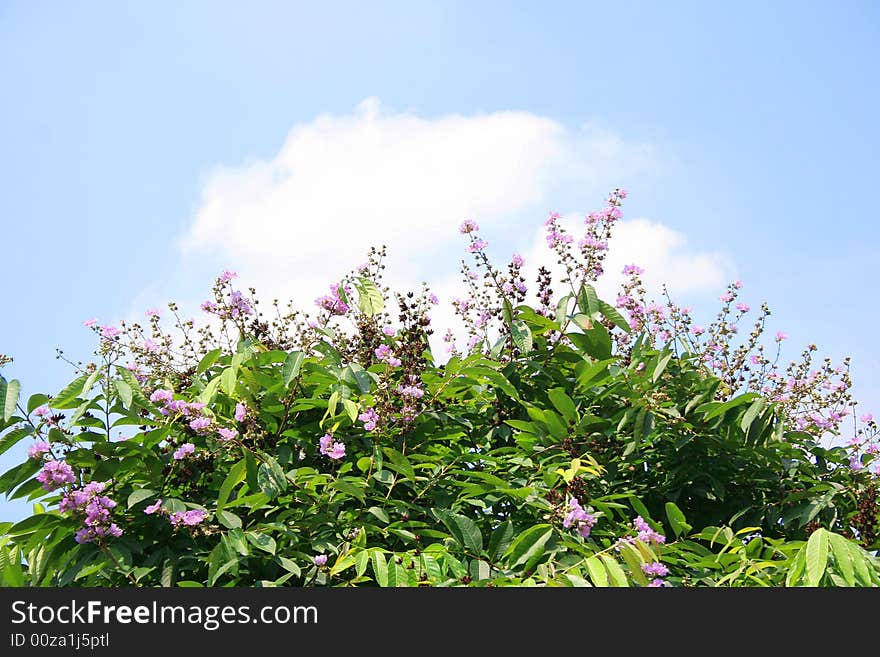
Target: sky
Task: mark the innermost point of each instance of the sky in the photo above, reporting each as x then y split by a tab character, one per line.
145	147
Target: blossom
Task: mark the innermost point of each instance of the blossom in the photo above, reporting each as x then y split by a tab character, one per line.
578	518
208	306
37	449
755	360
726	297
389	331
161	396
780	336
320	560
152	312
109	332
477	245
633	270
646	533
867	417
90	322
743	307
226	276
737	284
468	226
150	510
187	518
40	411
240	412
433	299
698	330
657	583
151	346
183	451
55	473
655	568
855	463
239	304
411	391
369	417
383	352
333	301
200	424
517	260
227	434
329	447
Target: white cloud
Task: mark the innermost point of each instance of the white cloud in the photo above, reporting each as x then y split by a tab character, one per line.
293	223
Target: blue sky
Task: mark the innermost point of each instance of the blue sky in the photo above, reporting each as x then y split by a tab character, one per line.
749	129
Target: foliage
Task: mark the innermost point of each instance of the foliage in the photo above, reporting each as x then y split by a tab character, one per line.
575	443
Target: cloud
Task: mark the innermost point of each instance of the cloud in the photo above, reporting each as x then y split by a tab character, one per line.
293	223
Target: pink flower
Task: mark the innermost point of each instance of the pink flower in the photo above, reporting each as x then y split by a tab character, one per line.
90	322
227	434
855	463
240	412
780	336
150	510
698	330
742	307
867	417
109	332
737	284
187	518
320	560
727	297
151	346
183	451
54	474
517	260
389	331
161	396
40	411
329	447
633	270
226	276
468	226
200	424
152	312
37	449
477	245
433	299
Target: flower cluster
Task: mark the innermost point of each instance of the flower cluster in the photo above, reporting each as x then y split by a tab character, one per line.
94	509
38	448
189	518
333	302
331	448
577	518
370	418
54	474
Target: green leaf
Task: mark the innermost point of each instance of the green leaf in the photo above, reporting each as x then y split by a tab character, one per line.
843	558
464	530
563	404
261	541
139	496
562	308
9	392
676	520
69	393
816	556
290	369
610	313
752	412
589	301
615	572
351	409
208	359
124	390
228	519
207	395
597	571
236	476
529	545
228	380
522	335
403	466
370	301
501	538
634	560
14	437
661	366
380	568
271	479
